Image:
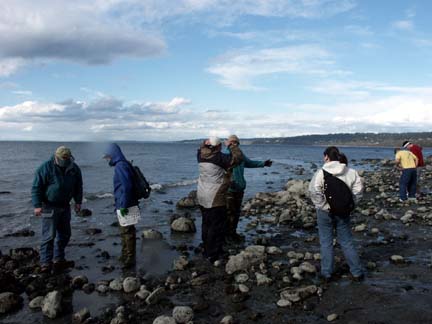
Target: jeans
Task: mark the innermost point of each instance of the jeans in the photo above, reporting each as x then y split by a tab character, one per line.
56	232
326	227
213	231
408	182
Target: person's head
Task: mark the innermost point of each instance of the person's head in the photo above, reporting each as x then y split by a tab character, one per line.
214	143
406	144
343	159
232	139
113	154
331	153
63	157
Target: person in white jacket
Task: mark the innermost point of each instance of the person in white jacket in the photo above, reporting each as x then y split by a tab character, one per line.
329	223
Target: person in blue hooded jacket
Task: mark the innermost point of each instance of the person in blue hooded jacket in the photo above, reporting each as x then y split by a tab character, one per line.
125	198
236	190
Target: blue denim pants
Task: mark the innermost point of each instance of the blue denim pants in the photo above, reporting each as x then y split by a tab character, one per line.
326	227
56	232
408	183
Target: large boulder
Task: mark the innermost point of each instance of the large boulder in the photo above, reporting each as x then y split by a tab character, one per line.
244	260
164	320
152	234
298	187
183	224
183	314
191	201
51	305
9	302
295	295
131	284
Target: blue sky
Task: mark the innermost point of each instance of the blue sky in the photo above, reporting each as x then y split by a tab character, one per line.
167	70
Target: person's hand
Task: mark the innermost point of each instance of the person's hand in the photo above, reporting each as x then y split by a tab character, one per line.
77	208
124	211
38	212
268	163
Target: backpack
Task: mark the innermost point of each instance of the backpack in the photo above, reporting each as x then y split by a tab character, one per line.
338	196
142	187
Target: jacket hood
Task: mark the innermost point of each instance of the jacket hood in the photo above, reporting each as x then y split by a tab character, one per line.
335	167
115	153
207	153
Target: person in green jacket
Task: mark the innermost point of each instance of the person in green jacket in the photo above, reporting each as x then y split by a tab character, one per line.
236	191
56	182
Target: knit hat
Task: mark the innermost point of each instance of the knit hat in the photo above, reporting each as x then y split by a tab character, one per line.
63	153
234	138
214	140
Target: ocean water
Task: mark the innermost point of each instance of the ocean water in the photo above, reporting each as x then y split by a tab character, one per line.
170	167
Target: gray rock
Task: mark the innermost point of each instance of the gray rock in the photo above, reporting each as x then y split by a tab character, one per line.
180	263
131	284
152	234
164	320
307	267
297	294
183	224
245	259
241	278
9	302
283	303
103	289
397	259
116	285
183	314
332	317
51	305
36	302
262	280
227	320
143	293
155	296
81	316
191	201
79	281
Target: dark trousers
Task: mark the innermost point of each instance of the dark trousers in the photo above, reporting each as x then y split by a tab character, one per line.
408	183
213	231
56	232
128	239
233	202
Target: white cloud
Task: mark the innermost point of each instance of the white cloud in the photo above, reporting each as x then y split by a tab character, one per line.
9	66
396	109
239	69
404	25
22	92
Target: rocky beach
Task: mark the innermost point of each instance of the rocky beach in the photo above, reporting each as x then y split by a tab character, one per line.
271	277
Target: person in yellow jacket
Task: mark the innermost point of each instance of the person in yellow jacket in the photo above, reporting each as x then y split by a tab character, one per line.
406	162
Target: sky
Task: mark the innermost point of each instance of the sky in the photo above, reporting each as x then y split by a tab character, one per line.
163	70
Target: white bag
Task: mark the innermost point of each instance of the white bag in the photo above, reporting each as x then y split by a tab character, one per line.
131	218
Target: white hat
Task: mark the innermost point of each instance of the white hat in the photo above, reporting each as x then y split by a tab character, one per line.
214	140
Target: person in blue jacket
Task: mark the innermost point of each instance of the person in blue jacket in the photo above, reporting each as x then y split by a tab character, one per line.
237	188
56	182
125	197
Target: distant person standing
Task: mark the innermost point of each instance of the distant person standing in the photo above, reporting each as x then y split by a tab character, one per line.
214	180
417	150
125	197
56	182
334	189
406	162
237	187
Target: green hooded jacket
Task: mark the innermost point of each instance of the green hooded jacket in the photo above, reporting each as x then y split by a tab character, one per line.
56	187
238	181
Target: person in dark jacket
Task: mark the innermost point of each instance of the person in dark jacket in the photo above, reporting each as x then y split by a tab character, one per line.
213	183
56	183
236	190
125	198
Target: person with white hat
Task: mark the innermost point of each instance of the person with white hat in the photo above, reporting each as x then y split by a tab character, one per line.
236	190
215	170
56	183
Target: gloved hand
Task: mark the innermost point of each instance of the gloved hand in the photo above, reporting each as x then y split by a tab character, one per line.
124	211
268	163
